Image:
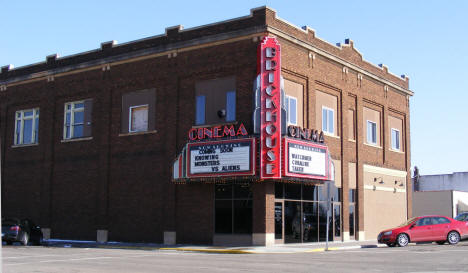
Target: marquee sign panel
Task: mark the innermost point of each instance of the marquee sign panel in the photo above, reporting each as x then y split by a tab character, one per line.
306	160
221	158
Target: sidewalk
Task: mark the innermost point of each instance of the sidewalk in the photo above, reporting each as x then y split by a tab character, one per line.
284	248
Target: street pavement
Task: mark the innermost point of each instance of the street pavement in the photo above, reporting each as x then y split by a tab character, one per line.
67	258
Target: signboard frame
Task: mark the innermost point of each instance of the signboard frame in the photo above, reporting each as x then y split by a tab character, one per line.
269	69
252	163
286	172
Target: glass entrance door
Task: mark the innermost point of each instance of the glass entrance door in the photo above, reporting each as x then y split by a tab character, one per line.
292	222
337	222
279	230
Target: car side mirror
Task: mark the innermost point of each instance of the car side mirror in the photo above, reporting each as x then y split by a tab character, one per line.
412	226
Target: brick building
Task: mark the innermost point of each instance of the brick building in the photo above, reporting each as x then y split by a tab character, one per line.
88	141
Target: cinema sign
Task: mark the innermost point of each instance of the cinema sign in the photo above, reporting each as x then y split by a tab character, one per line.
269	69
221	158
306	160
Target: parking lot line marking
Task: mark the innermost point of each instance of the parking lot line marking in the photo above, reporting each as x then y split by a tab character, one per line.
78	259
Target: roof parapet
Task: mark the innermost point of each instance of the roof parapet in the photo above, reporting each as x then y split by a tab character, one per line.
173	30
7	68
349	42
384	67
52	58
309	31
108	44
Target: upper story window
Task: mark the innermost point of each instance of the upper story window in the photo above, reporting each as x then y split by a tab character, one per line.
293	102
371	132
138	111
396	129
138	118
351	125
215	101
27	126
291	109
328	117
372	125
326	112
395	139
77	119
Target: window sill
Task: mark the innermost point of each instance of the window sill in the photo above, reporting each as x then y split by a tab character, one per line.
330	135
76	139
138	133
215	124
373	145
24	145
351	140
396	151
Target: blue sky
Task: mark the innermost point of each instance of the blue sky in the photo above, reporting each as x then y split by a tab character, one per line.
426	40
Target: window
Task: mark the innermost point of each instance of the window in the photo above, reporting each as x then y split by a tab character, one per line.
215	101
327	120
231	106
233	208
27	126
424	222
74	120
200	108
351	125
440	220
395	139
138	118
291	109
371	132
138	111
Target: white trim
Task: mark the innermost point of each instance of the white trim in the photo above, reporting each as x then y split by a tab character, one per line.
138	133
384	171
76	139
130	117
388	189
372	145
25	145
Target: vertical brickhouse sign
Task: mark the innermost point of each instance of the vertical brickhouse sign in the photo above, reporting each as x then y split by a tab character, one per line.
269	68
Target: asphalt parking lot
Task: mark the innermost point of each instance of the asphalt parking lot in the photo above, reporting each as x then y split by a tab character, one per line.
414	258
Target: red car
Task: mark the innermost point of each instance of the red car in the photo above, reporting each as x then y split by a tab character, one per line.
432	228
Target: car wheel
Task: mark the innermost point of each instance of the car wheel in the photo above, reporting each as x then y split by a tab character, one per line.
453	238
402	240
25	239
440	242
390	244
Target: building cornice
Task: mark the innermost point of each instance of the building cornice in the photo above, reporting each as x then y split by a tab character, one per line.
308	46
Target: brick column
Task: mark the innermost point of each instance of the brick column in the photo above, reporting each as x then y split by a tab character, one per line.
263	213
48	115
360	134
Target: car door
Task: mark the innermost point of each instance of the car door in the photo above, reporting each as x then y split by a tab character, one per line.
422	230
441	226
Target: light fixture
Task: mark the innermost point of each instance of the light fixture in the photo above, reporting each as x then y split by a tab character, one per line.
377	178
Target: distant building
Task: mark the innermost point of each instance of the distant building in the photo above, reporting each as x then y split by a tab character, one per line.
445	194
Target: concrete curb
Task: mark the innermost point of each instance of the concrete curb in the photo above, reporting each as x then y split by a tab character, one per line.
220	250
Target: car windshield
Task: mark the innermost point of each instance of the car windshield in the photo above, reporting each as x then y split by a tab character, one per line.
460	217
409	221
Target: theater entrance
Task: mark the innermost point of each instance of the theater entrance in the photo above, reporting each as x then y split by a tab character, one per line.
304	218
